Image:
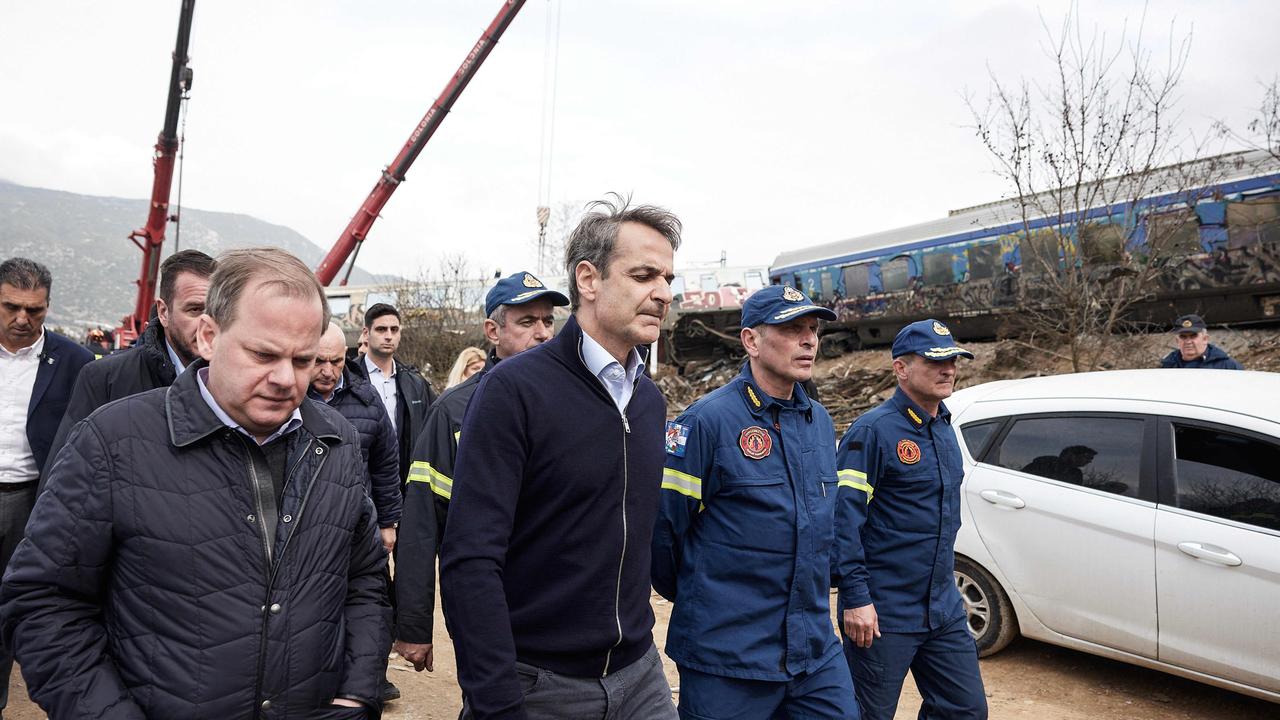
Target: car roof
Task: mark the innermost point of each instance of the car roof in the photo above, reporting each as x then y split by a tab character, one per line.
1245	392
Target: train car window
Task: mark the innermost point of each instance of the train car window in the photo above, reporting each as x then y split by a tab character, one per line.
677	287
1103	242
1040	253
1253	221
984	260
828	286
1174	232
937	268
857	280
754	280
709	283
895	274
796	282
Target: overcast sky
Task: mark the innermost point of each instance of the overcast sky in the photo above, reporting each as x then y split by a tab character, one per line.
764	125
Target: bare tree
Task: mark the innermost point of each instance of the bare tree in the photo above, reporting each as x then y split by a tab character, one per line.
1102	132
442	312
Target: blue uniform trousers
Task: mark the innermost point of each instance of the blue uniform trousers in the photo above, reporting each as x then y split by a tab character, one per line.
824	694
944	663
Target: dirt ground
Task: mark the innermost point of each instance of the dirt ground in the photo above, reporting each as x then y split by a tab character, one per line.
1027	681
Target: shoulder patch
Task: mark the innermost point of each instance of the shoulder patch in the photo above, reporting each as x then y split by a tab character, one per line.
676	438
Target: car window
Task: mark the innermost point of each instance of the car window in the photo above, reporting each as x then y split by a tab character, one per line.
1094	452
976	434
1227	475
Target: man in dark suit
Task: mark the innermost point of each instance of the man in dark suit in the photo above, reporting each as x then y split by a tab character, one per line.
37	370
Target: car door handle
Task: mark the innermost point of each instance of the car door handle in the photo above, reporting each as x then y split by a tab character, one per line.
1212	553
1003	499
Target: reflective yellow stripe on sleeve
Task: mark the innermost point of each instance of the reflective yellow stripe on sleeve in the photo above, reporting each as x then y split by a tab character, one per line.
440	483
857	480
683	483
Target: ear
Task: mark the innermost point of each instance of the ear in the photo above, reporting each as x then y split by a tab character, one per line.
900	368
587	276
750	341
206	337
162	312
491	332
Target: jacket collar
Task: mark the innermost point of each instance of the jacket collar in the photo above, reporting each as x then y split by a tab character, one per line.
758	401
917	416
190	418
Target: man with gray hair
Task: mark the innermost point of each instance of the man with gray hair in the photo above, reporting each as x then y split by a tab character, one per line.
544	569
209	549
38	368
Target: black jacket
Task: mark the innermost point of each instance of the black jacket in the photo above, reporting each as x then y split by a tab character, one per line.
546	554
60	363
415	398
145	366
146	587
359	404
426	508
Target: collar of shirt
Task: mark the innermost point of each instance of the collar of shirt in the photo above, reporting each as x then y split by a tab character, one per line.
618	381
916	415
373	368
178	366
32	350
293	423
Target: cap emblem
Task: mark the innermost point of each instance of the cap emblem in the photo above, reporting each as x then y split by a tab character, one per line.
940	329
531	281
1186	323
908	452
791	294
756	443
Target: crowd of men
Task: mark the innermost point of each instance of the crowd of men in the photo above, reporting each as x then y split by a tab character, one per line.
200	526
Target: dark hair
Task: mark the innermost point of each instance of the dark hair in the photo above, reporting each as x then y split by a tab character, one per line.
276	268
190	261
25	274
594	238
377	311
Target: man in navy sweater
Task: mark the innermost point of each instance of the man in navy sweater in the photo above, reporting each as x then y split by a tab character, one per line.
544	569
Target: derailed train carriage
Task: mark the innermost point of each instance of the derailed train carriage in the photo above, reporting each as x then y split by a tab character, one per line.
975	268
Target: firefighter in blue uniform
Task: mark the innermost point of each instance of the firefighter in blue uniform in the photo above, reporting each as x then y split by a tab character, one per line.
743	540
899	510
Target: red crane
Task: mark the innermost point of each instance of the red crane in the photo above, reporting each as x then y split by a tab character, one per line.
394	174
150	237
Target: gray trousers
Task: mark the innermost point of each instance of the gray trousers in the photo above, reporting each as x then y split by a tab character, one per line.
638	691
15	508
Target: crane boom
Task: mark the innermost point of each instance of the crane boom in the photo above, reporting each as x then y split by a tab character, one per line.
394	174
150	237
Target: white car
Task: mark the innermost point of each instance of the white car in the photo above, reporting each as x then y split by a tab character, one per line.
1132	514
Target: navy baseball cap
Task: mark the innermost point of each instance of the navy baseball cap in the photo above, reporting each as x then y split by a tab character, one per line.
1189	324
777	304
929	339
518	289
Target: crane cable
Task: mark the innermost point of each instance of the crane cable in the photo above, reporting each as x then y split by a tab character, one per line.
176	215
550	76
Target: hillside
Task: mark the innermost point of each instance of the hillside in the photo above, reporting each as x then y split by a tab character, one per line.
84	241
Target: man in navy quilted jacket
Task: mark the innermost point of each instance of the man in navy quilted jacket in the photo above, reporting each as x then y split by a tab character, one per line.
208	550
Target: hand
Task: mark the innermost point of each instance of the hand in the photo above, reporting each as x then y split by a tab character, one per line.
388	538
344	702
419	654
862	625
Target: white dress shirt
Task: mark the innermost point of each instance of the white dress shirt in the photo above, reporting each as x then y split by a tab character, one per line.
178	366
17	381
293	423
619	382
386	387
